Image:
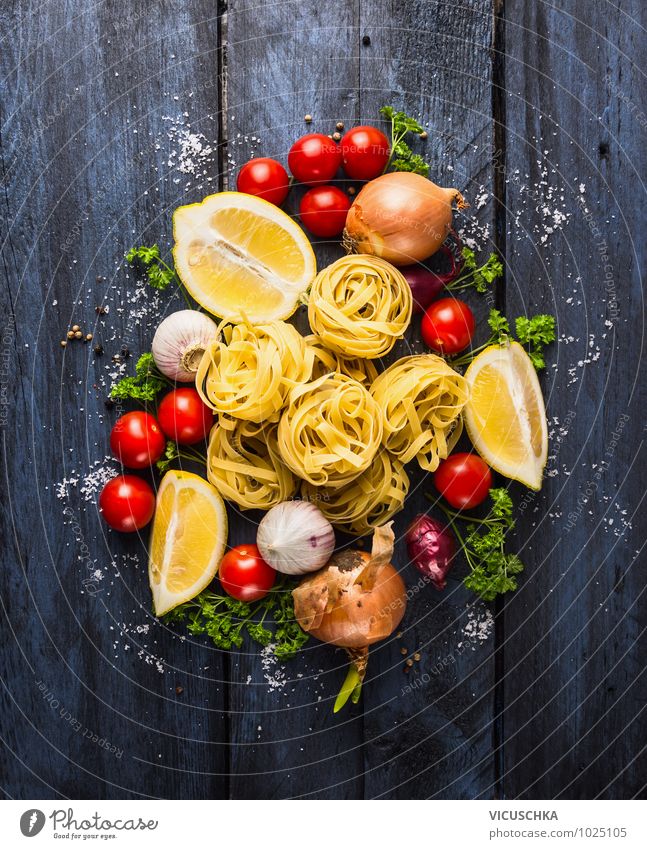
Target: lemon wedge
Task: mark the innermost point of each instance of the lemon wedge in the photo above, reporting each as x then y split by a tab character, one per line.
505	416
242	257
188	539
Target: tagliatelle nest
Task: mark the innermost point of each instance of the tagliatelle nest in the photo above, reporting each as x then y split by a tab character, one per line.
421	399
326	361
244	464
250	371
359	306
330	431
367	502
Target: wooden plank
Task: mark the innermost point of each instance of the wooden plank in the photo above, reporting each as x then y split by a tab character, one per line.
95	105
429	733
285	61
279	70
574	679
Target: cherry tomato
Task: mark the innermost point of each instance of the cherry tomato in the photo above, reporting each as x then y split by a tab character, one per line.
448	326
365	152
244	574
464	480
137	440
323	210
314	159
127	503
265	178
184	417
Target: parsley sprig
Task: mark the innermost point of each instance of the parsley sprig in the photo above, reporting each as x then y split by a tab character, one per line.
156	272
172	453
268	621
479	277
143	386
402	156
493	571
534	333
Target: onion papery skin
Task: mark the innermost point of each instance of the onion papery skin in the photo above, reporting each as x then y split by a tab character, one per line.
330	606
401	217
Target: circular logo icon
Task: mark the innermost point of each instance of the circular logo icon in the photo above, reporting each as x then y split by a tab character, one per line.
32	822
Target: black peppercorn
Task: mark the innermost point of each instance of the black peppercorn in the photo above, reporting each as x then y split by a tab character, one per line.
366	40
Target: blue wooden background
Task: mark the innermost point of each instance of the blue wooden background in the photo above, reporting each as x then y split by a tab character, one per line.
114	113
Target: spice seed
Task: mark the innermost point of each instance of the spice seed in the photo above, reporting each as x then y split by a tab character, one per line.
416	656
409	662
404	651
78	335
424	134
307	119
366	40
98	350
75	327
336	136
351	190
339	125
70	334
88	337
179	690
63	343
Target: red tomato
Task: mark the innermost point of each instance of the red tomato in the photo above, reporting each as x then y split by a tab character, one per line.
127	503
184	417
323	210
365	152
265	178
448	326
136	440
314	158
464	480
244	574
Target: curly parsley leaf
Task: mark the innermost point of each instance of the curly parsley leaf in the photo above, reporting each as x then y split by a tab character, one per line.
171	454
144	386
402	156
225	620
479	277
156	272
535	333
498	325
493	570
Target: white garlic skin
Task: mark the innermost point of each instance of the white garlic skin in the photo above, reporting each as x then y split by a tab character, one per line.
294	537
179	343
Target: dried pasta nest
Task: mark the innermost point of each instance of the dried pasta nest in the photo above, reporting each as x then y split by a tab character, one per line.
326	361
367	502
330	431
244	464
248	372
359	306
421	398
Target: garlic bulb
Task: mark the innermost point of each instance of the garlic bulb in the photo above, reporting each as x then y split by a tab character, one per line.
179	343
294	537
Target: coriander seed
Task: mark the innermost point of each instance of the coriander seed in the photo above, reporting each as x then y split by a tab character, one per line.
424	134
307	119
336	136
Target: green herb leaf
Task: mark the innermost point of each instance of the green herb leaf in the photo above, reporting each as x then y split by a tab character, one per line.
156	272
144	386
535	333
225	620
402	156
498	324
170	455
477	277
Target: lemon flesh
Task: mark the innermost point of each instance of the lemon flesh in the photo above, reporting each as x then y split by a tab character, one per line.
188	539
505	416
242	257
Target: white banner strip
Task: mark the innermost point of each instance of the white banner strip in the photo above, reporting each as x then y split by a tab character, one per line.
293	825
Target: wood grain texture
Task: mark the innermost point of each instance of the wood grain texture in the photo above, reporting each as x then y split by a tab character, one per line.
90	97
574	680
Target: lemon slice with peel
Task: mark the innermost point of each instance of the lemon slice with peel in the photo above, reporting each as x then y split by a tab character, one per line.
241	257
188	539
505	416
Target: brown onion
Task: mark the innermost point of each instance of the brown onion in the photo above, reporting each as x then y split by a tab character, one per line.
401	217
356	600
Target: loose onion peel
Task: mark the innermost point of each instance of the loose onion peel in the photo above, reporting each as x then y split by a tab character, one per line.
356	600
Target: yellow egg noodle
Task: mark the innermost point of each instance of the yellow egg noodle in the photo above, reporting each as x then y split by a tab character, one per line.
360	306
248	371
326	361
244	464
421	398
330	431
367	502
